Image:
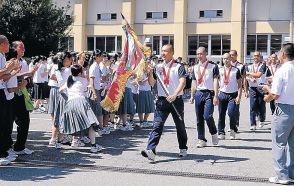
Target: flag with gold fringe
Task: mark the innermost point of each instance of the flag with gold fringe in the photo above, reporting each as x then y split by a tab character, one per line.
133	60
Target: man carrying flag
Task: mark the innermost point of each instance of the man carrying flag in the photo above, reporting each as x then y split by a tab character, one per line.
173	77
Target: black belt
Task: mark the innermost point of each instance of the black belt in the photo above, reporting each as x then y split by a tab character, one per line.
163	97
205	90
232	93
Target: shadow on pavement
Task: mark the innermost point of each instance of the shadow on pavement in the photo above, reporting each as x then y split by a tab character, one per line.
200	158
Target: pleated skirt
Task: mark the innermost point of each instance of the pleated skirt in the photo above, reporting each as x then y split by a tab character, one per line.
95	105
53	99
127	105
77	116
58	113
145	102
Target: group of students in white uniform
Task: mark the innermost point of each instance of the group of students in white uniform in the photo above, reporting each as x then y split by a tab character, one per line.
77	88
78	84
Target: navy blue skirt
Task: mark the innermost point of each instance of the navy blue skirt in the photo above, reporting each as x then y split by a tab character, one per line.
145	102
127	105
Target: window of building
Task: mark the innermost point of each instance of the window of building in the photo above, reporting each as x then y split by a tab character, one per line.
266	44
216	45
156	42
156	15
119	44
226	44
90	43
105	43
110	44
276	43
210	13
203	41
100	43
67	44
106	17
251	44
262	43
192	45
113	16
156	45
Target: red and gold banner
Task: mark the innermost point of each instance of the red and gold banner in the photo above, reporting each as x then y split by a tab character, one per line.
132	62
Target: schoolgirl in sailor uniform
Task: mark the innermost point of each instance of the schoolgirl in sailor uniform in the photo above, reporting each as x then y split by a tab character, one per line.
54	93
94	87
78	115
127	105
145	104
53	98
62	74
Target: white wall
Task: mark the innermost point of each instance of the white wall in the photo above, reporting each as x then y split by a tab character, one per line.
194	6
261	10
143	6
65	3
103	6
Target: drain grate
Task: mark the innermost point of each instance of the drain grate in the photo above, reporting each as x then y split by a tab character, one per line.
140	171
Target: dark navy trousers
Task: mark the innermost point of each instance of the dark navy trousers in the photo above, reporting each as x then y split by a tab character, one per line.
162	110
204	111
273	106
257	105
227	102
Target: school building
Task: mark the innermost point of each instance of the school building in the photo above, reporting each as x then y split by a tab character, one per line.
218	25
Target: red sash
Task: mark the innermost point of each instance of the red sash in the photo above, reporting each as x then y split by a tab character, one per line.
201	75
227	76
166	76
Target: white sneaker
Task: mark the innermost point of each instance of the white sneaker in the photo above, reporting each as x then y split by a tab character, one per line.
4	161
58	145
252	128
148	154
261	124
221	137
52	142
11	152
130	128
117	127
150	124
232	135
25	151
11	158
85	139
132	123
77	143
37	111
43	109
183	153
96	148
276	180
201	144
214	139
145	124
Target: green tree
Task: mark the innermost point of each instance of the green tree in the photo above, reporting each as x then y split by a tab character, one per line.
38	23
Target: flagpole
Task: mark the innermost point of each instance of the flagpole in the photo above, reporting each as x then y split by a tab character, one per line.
167	94
160	80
